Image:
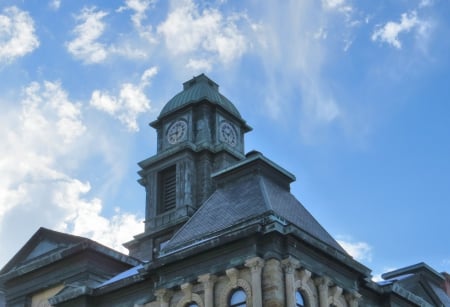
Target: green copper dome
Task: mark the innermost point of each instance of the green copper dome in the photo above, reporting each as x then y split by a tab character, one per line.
198	89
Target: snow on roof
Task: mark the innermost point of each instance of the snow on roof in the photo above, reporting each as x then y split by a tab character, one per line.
123	275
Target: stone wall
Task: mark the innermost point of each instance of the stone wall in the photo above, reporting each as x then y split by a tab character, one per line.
268	283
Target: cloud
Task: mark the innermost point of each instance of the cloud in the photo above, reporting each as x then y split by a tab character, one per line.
425	3
89	29
199	65
204	36
44	141
65	115
140	7
361	251
128	104
17	37
332	3
87	47
389	32
55	4
293	50
339	5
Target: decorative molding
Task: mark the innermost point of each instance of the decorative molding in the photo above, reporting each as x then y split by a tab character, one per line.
233	275
307	287
235	282
164	296
255	264
189	297
352	298
336	297
290	265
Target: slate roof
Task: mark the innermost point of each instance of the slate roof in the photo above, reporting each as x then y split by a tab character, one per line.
196	90
245	197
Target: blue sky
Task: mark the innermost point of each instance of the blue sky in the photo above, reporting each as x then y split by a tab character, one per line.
353	97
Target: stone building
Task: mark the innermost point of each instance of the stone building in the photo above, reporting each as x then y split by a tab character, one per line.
221	229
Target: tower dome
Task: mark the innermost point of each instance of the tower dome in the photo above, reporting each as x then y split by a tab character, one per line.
198	89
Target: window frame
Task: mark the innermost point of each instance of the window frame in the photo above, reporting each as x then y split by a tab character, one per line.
239	303
298	293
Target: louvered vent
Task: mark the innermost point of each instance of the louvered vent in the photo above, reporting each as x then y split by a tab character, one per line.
168	189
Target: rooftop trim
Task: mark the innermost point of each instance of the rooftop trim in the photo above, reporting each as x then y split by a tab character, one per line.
254	156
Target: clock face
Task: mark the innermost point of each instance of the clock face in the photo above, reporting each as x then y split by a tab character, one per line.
228	134
177	132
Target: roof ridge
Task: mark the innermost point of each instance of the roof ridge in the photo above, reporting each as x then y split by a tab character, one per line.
264	192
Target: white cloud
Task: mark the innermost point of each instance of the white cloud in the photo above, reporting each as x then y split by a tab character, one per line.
199	65
55	4
189	31
130	102
17	37
322	109
84	217
44	140
332	3
89	29
425	3
321	33
66	115
338	5
140	7
361	251
293	57
390	32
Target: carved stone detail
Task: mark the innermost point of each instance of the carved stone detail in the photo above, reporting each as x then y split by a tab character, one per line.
164	296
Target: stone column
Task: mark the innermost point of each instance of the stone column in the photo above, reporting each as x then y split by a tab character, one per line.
273	284
163	296
322	283
256	264
208	281
289	266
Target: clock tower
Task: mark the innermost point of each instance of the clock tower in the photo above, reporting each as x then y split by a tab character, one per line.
199	132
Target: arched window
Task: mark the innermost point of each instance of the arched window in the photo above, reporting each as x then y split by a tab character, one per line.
191	304
238	298
299	301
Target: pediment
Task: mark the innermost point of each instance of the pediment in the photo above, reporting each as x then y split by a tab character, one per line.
41	244
43	247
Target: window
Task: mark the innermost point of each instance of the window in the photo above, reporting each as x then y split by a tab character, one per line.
238	298
299	301
191	304
168	189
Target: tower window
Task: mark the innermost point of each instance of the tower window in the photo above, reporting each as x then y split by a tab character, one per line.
168	189
238	298
299	301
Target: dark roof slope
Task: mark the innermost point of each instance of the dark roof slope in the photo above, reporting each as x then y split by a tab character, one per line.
254	188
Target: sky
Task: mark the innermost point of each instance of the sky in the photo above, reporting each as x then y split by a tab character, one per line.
353	97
